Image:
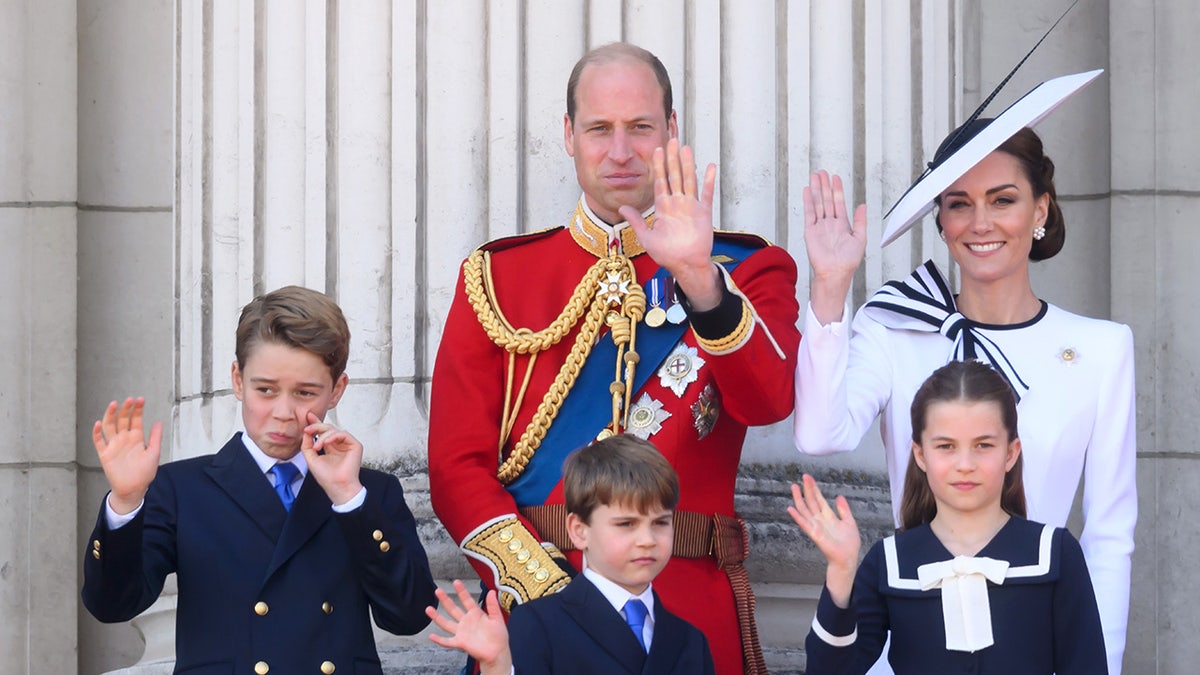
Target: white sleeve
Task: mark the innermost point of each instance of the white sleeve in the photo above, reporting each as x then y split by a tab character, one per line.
843	381
1110	498
115	520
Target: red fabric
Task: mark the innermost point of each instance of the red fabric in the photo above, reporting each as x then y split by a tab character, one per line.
533	279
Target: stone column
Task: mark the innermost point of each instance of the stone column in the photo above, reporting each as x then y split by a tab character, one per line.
39	555
1156	243
126	259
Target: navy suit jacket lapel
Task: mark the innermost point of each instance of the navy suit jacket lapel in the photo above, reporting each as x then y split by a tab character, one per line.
669	638
237	474
584	603
309	512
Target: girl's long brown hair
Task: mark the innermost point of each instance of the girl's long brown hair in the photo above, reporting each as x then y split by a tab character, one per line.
969	382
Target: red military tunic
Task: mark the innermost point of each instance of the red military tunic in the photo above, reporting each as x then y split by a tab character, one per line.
748	382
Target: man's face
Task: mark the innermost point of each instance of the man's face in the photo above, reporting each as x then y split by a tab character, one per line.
619	121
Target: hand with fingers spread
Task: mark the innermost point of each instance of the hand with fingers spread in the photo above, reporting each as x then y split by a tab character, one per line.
129	461
481	634
336	468
681	238
835	244
835	534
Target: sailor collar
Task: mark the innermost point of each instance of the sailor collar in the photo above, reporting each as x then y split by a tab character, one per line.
962	582
1027	546
601	239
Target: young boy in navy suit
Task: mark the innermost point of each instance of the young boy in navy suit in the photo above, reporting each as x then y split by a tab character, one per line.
620	495
284	546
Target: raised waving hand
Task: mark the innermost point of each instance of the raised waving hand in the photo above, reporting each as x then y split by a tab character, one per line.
835	244
835	534
130	462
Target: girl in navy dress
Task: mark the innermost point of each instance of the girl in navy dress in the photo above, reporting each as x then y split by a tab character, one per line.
967	585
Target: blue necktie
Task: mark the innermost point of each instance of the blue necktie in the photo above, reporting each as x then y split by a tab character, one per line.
635	616
285	473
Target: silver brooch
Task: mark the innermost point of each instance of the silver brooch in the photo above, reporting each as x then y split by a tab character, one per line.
1069	356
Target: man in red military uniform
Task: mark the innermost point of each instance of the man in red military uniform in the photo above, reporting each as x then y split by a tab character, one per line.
636	317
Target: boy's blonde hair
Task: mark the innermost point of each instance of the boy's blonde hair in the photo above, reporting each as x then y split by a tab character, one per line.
296	317
621	469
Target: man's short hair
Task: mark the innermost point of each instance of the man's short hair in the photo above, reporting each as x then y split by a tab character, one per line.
621	469
296	317
617	51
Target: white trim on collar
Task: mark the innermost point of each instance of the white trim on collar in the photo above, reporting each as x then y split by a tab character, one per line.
891	562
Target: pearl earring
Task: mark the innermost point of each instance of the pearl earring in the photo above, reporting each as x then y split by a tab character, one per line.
1039	232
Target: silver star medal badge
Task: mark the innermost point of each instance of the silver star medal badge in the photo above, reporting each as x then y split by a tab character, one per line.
680	369
646	417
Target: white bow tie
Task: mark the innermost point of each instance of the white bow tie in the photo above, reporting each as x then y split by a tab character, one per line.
965	608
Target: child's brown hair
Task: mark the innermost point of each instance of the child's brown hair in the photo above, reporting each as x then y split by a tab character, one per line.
296	317
967	381
621	469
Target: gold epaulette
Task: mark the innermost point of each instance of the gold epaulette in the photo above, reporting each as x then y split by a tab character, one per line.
523	567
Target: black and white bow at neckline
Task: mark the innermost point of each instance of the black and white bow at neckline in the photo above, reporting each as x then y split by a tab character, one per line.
923	302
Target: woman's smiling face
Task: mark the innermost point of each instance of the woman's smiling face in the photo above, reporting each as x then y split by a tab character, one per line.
987	218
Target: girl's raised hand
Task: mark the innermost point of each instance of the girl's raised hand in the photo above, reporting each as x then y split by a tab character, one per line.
835	534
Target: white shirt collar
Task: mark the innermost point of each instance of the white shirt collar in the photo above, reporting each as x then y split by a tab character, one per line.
265	462
618	596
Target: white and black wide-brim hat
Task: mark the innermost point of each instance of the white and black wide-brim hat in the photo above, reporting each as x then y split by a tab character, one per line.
967	145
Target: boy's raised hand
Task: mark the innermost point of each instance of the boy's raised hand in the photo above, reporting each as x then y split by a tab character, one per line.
336	469
482	635
129	462
836	534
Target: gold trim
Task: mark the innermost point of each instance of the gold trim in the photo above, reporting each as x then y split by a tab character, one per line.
733	341
524	568
608	294
594	239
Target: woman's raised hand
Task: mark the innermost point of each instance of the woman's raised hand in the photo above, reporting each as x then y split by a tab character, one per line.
835	244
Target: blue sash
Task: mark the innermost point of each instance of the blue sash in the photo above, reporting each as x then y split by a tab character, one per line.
588	406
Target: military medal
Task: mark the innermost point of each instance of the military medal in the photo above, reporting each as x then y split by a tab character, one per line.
680	369
706	410
646	417
675	313
657	316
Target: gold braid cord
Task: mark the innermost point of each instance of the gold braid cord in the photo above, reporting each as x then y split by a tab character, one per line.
608	294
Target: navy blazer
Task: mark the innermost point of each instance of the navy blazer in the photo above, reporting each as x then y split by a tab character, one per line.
257	584
579	632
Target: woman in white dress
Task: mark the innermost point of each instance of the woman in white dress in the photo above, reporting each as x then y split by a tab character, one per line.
1073	375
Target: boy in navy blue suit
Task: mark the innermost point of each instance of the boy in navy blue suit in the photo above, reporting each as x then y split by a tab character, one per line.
284	546
620	495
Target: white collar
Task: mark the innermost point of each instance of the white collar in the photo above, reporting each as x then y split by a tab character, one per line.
265	462
618	596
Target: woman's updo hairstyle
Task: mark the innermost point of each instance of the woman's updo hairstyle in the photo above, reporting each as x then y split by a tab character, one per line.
1026	147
